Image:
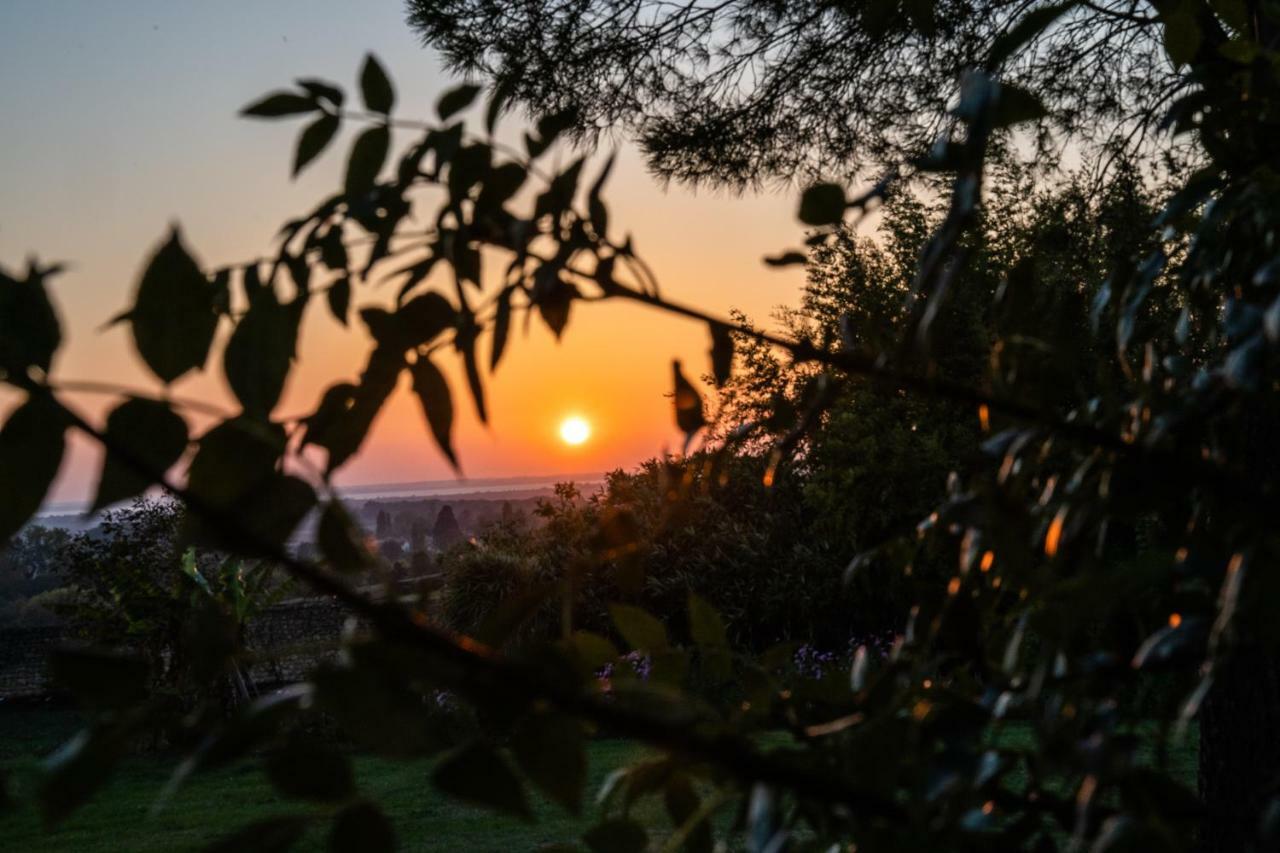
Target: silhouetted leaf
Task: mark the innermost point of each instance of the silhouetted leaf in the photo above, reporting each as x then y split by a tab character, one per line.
234	458
478	774
260	352
554	305
466	344
270	835
173	314
617	835
437	404
822	204
550	750
1029	27
31	447
375	86
418	321
705	624
77	770
362	828
322	90
721	353
641	631
150	432
340	539
340	299
456	100
688	404
1182	34
501	327
367	156
313	140
100	678
310	770
682	803
280	105
29	329
1015	105
786	259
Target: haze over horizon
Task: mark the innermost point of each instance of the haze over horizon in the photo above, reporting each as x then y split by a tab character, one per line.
135	128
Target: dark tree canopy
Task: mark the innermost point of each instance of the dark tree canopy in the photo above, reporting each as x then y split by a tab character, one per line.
747	91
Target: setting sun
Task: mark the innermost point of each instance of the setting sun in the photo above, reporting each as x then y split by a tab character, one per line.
574	430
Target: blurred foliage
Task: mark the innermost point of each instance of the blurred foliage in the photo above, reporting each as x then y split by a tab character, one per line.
1109	391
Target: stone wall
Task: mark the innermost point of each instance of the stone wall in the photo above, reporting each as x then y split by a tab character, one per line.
285	640
23	653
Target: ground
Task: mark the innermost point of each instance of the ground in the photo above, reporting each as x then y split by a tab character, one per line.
213	804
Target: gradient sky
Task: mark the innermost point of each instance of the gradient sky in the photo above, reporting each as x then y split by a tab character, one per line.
120	118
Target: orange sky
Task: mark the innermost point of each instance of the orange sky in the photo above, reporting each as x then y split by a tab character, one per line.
128	123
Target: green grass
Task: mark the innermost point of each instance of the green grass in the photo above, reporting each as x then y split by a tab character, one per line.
213	804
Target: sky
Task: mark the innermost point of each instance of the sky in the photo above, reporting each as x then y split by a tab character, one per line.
120	120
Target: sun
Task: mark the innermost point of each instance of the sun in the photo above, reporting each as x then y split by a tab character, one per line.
574	430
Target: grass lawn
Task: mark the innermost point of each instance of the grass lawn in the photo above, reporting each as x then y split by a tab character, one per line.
213	804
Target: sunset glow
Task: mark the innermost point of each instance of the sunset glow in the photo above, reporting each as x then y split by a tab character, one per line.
574	430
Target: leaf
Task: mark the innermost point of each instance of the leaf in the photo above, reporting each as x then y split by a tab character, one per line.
721	353
173	315
1182	34
340	540
822	204
100	679
77	770
150	432
705	624
456	100
30	332
1235	13
362	828
269	514
550	750
787	259
367	156
554	305
270	835
683	803
476	773
234	458
642	631
501	327
258	356
280	105
433	393
688	404
31	447
375	86
310	771
466	344
340	299
322	90
595	205
617	835
1028	27
1015	105
314	139
417	322
346	412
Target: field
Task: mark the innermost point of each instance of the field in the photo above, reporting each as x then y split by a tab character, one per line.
211	805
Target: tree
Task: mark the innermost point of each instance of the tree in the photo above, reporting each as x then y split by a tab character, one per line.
446	531
1037	625
747	91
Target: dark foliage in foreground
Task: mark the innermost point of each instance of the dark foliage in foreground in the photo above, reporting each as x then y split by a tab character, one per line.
1167	454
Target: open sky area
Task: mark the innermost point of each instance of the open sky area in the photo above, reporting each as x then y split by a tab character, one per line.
120	118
